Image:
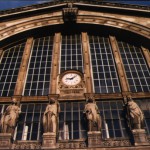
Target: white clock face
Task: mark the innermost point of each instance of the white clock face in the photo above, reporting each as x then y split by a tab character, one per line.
71	79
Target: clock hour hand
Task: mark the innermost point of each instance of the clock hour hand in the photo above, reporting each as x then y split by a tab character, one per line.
71	78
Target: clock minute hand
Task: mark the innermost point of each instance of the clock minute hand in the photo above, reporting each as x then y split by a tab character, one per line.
68	78
74	77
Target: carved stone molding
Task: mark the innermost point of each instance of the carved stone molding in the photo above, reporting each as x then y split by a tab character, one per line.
71	144
115	143
26	145
70	13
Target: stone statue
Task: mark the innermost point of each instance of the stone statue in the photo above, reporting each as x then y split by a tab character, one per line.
10	117
135	113
92	115
50	117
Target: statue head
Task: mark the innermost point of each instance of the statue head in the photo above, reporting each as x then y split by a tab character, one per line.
52	100
14	101
129	98
90	99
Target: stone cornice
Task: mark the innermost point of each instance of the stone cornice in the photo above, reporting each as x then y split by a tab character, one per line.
99	3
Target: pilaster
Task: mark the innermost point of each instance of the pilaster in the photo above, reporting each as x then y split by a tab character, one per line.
120	67
55	63
87	63
146	53
23	68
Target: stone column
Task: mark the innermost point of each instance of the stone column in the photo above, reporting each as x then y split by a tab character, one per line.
146	53
23	68
120	67
140	137
5	141
94	138
49	140
55	64
87	63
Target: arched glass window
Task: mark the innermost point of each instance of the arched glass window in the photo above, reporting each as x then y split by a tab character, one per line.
38	76
71	53
9	68
136	68
104	70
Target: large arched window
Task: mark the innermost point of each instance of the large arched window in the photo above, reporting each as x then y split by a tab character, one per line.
38	76
9	68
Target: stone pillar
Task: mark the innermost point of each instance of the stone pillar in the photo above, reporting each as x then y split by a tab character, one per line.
120	68
94	138
49	140
146	53
55	64
87	63
140	137
23	68
5	141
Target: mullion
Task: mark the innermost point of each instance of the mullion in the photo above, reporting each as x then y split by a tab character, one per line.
32	124
135	65
39	66
14	66
97	60
34	66
39	124
142	70
46	64
108	67
104	68
129	67
28	69
7	70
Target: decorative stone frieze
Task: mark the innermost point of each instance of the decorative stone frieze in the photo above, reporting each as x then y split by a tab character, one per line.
115	142
71	144
26	145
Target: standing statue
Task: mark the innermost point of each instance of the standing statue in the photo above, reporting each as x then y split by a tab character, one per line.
50	117
92	115
10	117
135	113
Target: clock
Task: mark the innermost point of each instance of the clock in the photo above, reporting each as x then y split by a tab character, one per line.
71	78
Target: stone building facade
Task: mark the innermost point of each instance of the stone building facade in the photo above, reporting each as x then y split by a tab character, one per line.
70	52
